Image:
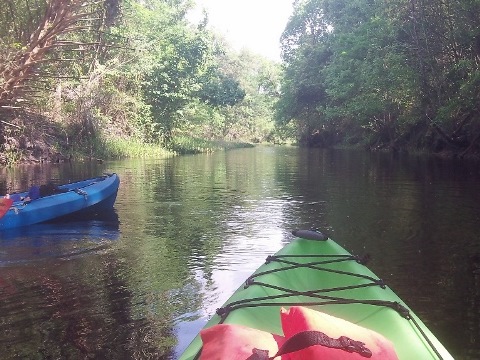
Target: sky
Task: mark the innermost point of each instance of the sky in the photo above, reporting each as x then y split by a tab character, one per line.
253	24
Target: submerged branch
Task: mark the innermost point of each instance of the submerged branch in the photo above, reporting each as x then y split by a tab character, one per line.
10	124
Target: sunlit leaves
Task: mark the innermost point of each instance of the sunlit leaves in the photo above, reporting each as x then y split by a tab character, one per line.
221	91
307	25
380	65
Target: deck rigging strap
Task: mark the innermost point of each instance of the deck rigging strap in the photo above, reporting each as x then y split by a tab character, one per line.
317	296
314	265
223	312
304	339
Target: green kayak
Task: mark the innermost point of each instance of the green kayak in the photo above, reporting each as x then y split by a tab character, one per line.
315	272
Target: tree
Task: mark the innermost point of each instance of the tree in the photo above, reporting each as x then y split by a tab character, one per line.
173	80
251	119
42	44
384	70
39	31
306	52
221	90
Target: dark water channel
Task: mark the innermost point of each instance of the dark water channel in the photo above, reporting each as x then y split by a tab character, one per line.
140	282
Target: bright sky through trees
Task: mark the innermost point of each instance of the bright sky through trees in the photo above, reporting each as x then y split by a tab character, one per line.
253	24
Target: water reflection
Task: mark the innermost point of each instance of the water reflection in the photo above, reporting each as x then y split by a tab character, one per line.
61	240
72	227
189	230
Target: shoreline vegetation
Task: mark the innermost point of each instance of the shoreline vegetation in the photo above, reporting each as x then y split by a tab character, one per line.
116	79
56	149
53	146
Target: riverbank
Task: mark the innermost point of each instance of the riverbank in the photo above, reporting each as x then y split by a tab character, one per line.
419	141
44	141
49	142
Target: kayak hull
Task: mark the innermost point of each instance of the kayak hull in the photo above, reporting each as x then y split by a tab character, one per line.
77	199
321	275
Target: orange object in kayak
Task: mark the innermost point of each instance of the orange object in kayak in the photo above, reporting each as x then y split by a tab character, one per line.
309	334
236	342
5	205
298	319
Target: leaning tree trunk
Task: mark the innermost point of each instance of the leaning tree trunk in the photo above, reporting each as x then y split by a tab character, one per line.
61	17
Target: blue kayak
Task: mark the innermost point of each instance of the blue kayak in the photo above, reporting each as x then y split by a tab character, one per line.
74	199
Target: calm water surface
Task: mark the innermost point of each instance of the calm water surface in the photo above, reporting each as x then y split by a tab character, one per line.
140	282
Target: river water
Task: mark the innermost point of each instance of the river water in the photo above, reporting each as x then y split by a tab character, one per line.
140	282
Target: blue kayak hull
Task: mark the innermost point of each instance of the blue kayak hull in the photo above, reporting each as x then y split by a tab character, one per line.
79	198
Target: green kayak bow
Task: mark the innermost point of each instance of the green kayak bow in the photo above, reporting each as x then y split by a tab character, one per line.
315	272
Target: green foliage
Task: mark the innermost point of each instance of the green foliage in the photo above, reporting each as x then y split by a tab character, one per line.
127	148
252	118
380	69
303	90
221	90
168	88
191	80
307	26
193	145
239	109
464	96
139	73
186	67
18	20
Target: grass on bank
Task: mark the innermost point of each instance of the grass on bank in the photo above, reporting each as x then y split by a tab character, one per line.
188	145
119	148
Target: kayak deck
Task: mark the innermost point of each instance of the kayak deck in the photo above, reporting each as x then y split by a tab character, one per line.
320	274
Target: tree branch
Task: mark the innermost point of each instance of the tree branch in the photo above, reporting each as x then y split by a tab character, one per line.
443	135
470	147
7	123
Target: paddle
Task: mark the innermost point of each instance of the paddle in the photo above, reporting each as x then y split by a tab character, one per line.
5	205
